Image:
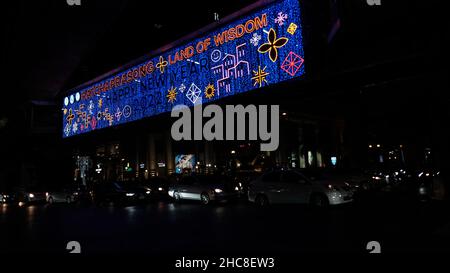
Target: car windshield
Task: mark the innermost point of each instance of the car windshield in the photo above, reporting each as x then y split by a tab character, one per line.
330	174
217	180
155	182
119	185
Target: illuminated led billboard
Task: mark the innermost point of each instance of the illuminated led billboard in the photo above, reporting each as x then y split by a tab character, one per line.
184	163
260	49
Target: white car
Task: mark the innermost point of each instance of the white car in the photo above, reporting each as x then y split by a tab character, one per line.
291	186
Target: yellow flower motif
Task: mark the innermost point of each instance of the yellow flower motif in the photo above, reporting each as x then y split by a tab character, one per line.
273	45
172	95
162	64
210	91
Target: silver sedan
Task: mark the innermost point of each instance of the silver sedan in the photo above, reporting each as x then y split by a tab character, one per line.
60	197
291	186
204	189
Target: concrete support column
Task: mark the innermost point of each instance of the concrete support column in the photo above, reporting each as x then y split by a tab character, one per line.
209	160
318	147
151	156
170	161
301	154
137	159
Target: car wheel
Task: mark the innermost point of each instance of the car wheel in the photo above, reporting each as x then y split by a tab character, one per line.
204	197
50	200
365	186
261	200
176	196
319	201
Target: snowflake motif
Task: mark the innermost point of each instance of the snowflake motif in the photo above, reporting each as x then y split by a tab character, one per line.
182	88
193	93
67	129
281	18
75	127
255	39
91	107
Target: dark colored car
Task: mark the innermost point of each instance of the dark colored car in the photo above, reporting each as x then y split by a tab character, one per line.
30	196
242	180
425	183
158	187
391	176
81	194
7	197
69	194
118	192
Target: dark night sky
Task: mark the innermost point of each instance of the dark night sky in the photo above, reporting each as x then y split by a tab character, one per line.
49	46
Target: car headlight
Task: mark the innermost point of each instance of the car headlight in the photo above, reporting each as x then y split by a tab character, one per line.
31	195
160	189
236	188
148	192
218	190
130	194
331	187
376	178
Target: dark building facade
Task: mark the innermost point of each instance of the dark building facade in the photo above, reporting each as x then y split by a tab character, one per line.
351	109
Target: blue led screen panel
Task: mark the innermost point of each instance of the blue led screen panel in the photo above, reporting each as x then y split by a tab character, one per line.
262	48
